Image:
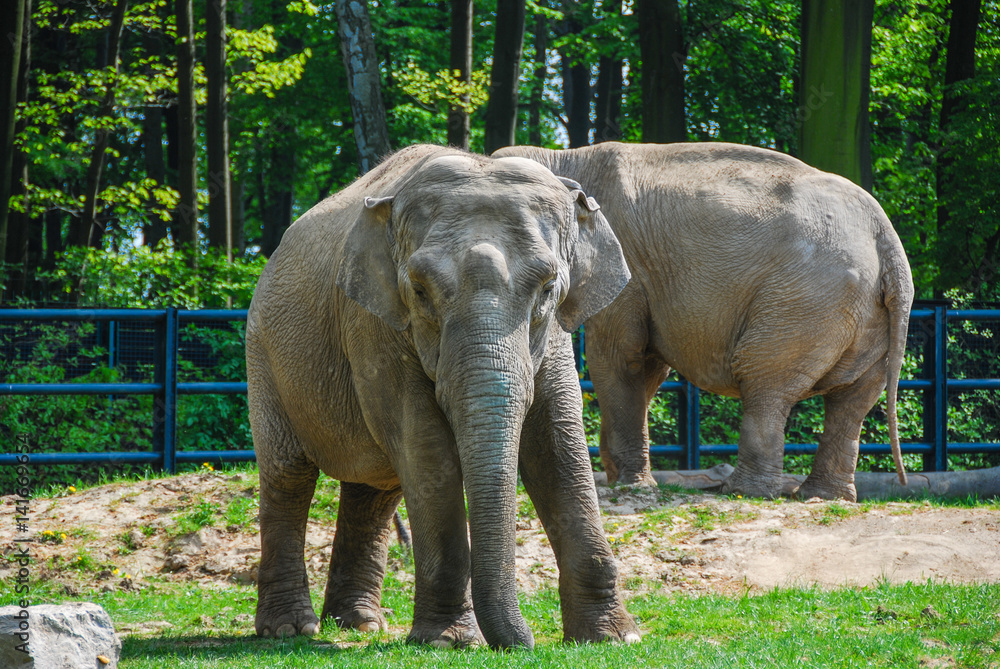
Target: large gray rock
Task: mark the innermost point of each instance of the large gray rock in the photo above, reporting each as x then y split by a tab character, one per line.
63	636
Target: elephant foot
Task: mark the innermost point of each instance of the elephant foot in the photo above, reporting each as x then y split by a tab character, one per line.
286	621
462	632
752	485
641	479
360	617
614	626
826	490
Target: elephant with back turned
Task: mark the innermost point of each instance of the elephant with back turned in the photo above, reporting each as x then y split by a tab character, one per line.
755	276
409	336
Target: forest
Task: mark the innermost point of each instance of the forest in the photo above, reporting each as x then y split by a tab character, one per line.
154	152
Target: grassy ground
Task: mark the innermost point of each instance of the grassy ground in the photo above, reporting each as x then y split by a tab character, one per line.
198	625
882	626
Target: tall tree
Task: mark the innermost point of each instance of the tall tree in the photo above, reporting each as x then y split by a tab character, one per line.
217	130
608	92
10	65
539	76
357	46
834	134
663	51
501	110
89	231
155	228
576	80
19	223
960	66
460	62
185	223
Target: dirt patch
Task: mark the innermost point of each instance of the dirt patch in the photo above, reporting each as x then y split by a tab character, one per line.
125	535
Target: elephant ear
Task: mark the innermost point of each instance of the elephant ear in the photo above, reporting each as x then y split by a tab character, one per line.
598	272
367	272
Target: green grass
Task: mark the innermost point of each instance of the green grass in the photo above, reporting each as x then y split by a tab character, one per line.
213	628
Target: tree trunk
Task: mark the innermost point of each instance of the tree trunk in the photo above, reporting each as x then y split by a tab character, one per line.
540	75
501	110
357	46
155	228
663	52
960	65
237	220
277	201
217	130
10	66
981	483
89	232
576	98
19	224
608	103
53	237
461	69
185	220
834	134
152	142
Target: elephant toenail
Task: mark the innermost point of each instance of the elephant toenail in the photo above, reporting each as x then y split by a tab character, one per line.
632	637
441	643
369	626
285	630
310	629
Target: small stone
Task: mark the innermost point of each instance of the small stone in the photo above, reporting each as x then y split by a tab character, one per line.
929	612
64	636
175	563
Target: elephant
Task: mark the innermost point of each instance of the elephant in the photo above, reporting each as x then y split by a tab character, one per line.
755	276
410	338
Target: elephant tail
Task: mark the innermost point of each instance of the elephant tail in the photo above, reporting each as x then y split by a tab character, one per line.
897	295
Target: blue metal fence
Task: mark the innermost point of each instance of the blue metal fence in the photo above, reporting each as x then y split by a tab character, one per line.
930	324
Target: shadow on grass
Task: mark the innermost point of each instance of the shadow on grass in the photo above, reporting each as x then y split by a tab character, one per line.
208	647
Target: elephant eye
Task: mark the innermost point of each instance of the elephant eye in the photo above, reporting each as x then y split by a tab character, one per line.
418	290
549	286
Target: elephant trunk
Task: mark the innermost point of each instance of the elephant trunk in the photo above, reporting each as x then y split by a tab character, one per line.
485	395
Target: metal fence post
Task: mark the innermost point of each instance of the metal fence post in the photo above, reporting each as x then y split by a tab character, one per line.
688	425
170	391
936	399
940	388
165	399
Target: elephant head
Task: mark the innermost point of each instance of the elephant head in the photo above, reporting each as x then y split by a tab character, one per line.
479	258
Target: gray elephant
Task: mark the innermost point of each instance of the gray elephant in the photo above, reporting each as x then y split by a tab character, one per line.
755	276
409	335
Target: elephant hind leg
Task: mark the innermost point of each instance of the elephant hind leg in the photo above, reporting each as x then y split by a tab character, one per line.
832	475
626	375
287	483
358	560
759	461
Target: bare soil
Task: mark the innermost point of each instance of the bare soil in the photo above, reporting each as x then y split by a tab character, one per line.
127	534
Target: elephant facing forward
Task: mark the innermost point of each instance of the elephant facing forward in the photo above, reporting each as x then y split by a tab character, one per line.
755	276
409	336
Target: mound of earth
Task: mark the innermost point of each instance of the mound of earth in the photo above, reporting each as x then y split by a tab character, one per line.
127	534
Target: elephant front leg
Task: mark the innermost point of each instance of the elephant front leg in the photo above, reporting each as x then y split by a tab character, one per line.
432	486
357	564
556	471
284	607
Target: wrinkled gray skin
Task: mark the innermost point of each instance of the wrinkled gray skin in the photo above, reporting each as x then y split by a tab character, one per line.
409	336
755	276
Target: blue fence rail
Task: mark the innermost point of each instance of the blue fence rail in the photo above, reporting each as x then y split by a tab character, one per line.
165	388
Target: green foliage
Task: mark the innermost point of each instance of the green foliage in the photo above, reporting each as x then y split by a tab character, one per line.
140	277
203	515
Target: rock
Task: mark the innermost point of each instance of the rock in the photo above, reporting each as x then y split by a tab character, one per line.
63	636
177	562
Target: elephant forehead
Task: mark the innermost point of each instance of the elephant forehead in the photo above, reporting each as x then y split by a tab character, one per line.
486	262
